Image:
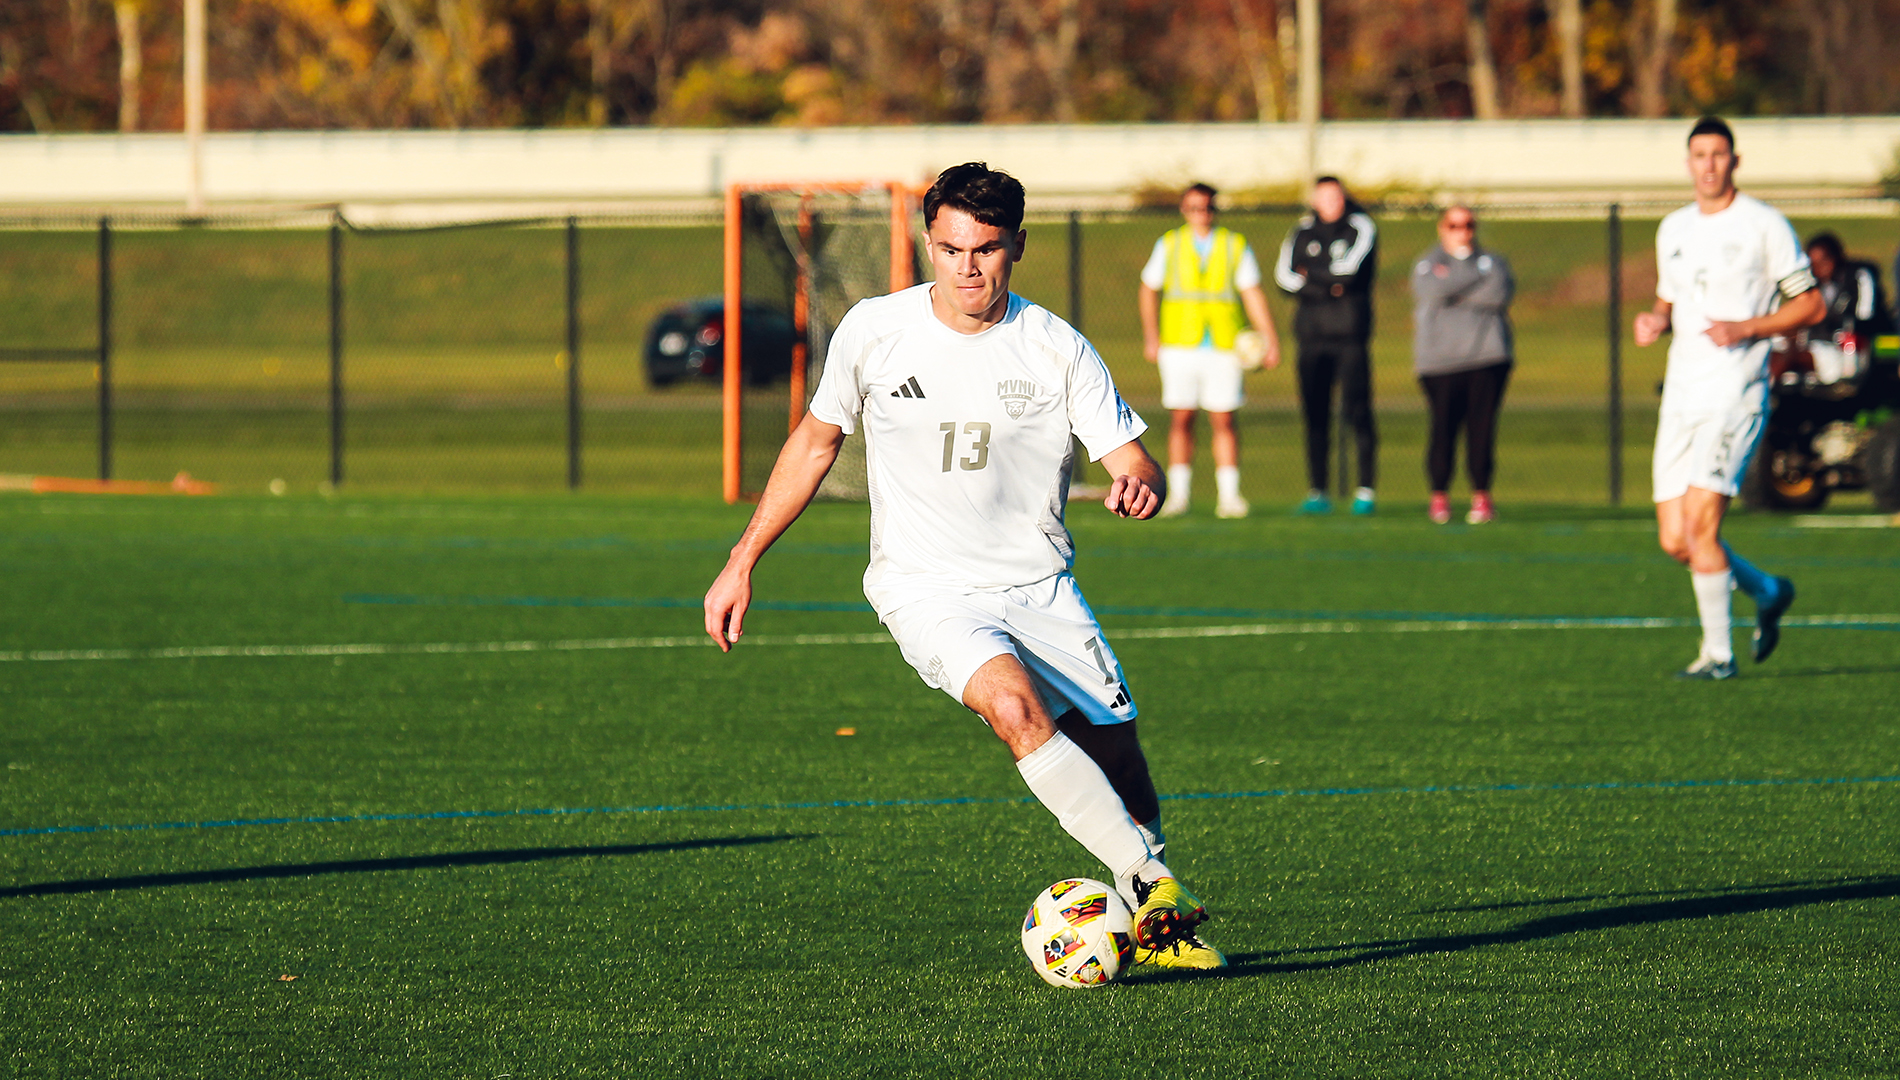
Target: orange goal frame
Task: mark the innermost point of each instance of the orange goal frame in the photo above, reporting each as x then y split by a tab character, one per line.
903	199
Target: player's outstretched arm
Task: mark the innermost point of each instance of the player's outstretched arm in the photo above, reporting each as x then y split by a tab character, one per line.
801	467
1139	484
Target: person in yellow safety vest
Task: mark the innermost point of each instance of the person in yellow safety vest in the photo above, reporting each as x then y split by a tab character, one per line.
1199	290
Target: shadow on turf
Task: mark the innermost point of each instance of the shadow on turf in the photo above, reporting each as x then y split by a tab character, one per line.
1279	962
1809	673
363	866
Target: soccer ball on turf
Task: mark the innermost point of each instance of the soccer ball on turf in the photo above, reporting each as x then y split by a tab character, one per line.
1079	934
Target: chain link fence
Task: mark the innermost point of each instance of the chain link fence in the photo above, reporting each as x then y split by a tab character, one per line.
297	352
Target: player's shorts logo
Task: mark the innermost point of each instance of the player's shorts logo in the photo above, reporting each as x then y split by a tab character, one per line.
1015	395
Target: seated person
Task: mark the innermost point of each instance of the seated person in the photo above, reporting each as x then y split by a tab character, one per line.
1841	344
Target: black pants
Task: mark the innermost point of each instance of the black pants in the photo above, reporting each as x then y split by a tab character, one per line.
1470	398
1349	361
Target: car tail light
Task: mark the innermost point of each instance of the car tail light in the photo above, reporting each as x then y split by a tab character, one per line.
710	333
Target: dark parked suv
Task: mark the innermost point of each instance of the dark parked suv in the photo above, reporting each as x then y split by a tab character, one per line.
687	341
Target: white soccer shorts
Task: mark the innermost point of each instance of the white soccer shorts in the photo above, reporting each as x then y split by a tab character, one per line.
1200	378
1046	625
1709	451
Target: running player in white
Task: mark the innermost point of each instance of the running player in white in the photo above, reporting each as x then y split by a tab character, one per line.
970	398
1729	275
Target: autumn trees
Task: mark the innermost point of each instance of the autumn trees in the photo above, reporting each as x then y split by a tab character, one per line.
101	65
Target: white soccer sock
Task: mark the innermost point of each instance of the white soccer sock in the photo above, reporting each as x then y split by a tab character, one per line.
1157	845
1227	481
1180	481
1069	783
1151	832
1712	604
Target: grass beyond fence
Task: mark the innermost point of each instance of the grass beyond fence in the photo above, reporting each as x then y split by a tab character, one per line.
454	362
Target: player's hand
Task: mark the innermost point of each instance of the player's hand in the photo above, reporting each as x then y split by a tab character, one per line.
1151	350
726	602
1129	496
1728	333
1271	359
1650	327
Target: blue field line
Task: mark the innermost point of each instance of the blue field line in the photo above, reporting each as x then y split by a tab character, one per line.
693	603
1166	611
855	804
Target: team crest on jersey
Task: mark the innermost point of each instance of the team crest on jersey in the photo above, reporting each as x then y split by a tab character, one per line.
1015	395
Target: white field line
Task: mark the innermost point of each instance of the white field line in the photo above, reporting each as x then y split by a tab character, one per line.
1854	521
694	641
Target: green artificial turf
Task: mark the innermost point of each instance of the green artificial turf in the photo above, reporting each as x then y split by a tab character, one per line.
1535	923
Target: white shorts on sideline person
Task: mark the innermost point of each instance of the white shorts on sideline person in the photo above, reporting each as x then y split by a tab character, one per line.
1200	378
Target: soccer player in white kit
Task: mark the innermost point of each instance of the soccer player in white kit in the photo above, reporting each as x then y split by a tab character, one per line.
970	398
1729	275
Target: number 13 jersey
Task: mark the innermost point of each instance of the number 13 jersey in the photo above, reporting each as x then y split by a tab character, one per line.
967	440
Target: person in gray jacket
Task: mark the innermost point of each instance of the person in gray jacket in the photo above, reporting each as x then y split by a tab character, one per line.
1462	353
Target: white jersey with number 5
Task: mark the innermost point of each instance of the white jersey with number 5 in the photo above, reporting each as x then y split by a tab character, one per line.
967	440
1723	267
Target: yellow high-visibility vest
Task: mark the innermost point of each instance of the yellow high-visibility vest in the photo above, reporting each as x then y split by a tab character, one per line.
1199	301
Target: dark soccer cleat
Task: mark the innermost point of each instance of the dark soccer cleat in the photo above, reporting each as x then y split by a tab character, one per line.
1768	619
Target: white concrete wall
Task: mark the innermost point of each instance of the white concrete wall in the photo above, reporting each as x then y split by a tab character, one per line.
1548	157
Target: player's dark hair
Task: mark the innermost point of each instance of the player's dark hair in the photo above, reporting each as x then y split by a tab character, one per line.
1204	188
991	196
1829	243
1714	125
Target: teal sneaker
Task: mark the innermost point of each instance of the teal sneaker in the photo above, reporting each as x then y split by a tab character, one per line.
1768	619
1362	501
1316	503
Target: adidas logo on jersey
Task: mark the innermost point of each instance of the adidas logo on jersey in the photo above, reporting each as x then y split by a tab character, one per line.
1121	698
909	389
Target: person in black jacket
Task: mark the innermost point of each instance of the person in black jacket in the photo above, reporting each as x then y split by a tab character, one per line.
1329	261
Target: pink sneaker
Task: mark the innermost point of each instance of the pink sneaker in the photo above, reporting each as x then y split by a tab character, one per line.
1441	508
1481	509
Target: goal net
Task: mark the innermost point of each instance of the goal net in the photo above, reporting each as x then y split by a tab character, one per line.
797	256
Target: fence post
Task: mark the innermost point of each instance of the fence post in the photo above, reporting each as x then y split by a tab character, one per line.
573	353
105	348
1616	354
336	349
1075	270
732	445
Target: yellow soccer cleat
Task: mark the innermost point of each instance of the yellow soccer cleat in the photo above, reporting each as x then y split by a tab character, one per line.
1189	953
1168	913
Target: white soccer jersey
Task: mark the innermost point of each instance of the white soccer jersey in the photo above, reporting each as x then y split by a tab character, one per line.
1725	267
967	440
